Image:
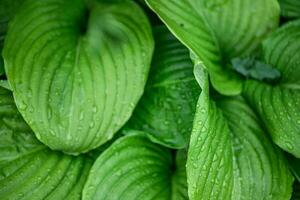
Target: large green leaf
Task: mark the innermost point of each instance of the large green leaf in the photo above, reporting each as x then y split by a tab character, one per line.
218	30
77	72
278	105
28	169
230	156
135	168
290	8
166	110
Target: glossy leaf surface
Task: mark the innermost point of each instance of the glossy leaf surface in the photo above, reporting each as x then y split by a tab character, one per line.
166	110
77	75
28	169
278	105
135	168
230	155
218	30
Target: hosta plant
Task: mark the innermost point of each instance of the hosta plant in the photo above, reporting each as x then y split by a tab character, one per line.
135	168
171	93
230	154
28	168
217	31
77	68
217	42
278	104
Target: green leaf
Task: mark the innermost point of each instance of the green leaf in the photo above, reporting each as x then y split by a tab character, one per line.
278	105
28	169
135	168
166	110
77	76
295	166
230	155
253	68
218	30
290	8
5	84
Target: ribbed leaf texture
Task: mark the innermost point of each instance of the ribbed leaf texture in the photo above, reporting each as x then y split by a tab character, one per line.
218	30
135	168
28	169
79	74
166	110
230	155
290	8
278	105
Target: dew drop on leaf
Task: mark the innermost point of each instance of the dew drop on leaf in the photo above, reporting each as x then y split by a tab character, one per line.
22	105
92	124
94	109
289	145
81	116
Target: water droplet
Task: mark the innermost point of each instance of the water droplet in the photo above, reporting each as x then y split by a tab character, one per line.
92	124
200	123
94	109
131	106
215	158
202	110
81	116
195	166
289	145
22	105
203	147
119	173
69	137
52	132
204	129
